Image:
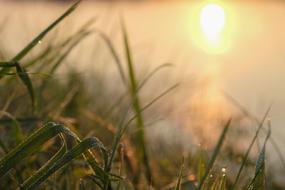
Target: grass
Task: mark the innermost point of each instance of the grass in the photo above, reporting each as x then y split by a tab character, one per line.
54	143
214	156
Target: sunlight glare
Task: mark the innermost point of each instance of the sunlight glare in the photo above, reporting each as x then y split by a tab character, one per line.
212	23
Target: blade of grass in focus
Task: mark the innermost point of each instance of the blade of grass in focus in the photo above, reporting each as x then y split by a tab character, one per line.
51	52
249	149
58	162
27	82
36	178
215	154
258	181
30	145
256	120
15	60
38	39
17	133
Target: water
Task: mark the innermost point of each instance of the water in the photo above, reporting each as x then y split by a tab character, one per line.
251	69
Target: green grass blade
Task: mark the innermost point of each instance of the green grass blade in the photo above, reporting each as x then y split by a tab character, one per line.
256	120
140	86
27	82
15	61
6	64
123	127
90	157
215	184
178	184
201	165
69	49
36	179
141	149
152	73
76	151
222	185
37	39
81	185
40	57
215	154
22	121
31	145
50	53
249	148
17	177
60	58
258	181
94	179
114	55
148	105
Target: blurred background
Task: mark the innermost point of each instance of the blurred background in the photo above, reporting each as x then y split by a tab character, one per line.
225	55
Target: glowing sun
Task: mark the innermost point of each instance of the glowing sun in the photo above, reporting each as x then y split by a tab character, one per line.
212	22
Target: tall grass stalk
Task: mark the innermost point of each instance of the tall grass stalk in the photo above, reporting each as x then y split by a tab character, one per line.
258	181
215	154
15	61
249	148
258	123
141	148
178	184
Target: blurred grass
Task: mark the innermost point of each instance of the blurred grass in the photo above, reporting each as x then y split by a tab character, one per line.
45	149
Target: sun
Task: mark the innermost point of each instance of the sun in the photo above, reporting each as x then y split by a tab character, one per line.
213	26
212	23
